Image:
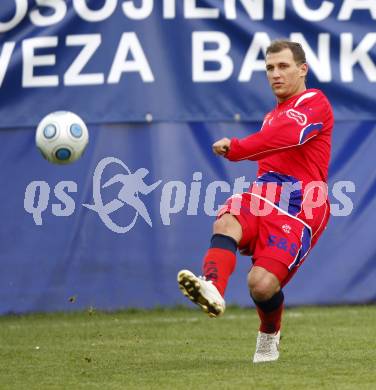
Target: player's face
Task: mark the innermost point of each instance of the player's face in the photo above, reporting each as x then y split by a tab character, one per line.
285	76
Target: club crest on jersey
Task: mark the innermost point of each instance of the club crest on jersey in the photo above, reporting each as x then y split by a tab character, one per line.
297	116
286	228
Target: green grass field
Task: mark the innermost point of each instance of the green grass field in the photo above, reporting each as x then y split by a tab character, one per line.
321	348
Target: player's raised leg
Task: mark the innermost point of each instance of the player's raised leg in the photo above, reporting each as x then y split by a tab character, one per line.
208	291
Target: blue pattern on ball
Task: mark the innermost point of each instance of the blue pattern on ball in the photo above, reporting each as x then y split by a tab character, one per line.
49	131
76	130
63	154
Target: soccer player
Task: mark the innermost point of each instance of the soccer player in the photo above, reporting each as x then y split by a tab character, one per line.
286	209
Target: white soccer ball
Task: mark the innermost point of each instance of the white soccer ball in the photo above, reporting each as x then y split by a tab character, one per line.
62	137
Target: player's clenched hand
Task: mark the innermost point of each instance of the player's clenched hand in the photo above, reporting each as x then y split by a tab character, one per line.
221	147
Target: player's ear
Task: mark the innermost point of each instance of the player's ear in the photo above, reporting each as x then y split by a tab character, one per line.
303	69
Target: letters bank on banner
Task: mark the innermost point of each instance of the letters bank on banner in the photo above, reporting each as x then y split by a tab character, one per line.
206	46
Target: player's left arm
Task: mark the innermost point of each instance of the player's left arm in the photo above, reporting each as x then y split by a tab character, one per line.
291	129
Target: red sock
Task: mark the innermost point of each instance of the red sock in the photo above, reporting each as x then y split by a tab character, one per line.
270	322
218	265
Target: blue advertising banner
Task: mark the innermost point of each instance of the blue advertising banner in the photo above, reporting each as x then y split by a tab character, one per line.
186	60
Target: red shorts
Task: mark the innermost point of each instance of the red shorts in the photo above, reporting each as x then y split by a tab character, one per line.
276	240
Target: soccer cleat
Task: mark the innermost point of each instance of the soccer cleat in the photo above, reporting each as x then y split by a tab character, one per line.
267	347
202	292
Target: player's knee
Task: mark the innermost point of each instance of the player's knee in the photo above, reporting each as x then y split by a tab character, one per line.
229	226
261	291
223	225
262	288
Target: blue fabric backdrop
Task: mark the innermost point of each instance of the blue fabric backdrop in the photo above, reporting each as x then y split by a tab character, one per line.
78	256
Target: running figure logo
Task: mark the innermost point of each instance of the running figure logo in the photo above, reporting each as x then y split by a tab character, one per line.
132	185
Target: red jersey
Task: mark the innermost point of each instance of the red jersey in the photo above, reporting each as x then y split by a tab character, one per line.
293	152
